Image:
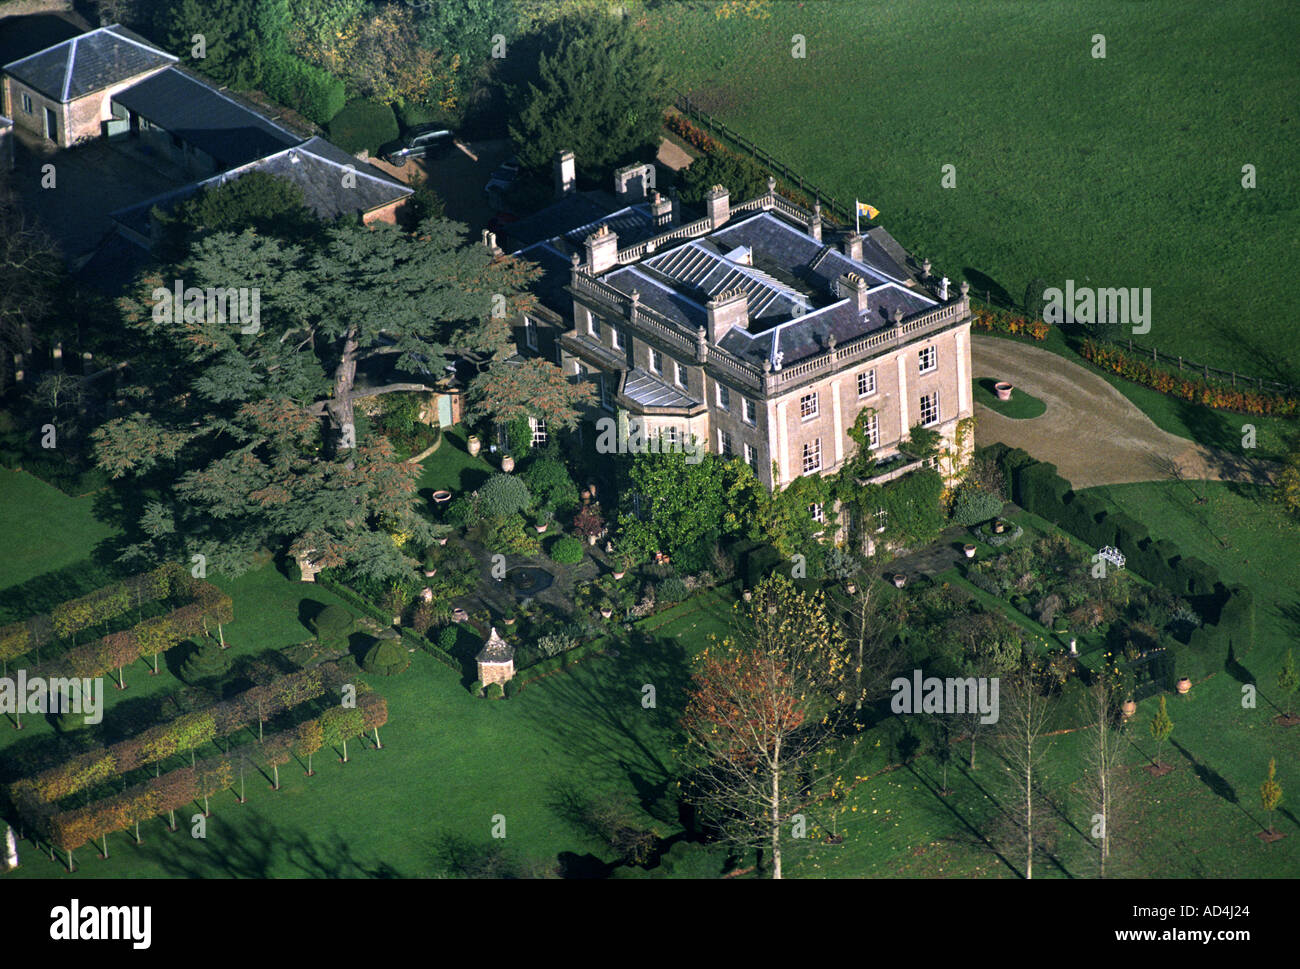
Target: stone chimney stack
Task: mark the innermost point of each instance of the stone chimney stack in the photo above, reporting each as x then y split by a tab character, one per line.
855	288
662	209
725	311
717	205
851	245
566	174
602	250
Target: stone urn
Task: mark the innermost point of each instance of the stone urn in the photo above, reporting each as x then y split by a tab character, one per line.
1003	390
969	550
606	613
999	526
1074	647
1184	685
443	540
619	575
1129	708
591	539
748	595
850	587
441	497
541	527
474	445
900	580
507	463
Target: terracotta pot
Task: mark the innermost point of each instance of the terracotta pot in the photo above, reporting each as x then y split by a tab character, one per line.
1129	708
1004	390
541	528
999	527
442	541
748	595
510	621
430	573
507	463
900	581
850	587
474	445
606	613
591	539
441	497
619	575
969	550
1184	685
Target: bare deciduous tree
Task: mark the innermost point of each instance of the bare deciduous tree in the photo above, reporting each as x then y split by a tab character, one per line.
1103	759
1023	745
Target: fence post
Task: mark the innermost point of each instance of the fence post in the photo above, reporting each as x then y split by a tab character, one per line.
1180	363
1130	344
1234	378
1155	355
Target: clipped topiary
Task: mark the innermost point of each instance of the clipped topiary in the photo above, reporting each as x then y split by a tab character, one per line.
447	637
974	505
476	688
385	658
494	691
333	625
207	661
566	550
503	495
511	688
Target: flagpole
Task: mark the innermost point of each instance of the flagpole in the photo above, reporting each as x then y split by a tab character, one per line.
857	217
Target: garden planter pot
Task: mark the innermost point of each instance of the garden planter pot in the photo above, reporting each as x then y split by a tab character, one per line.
592	489
748	595
1184	685
1130	707
541	528
606	613
850	587
591	539
900	581
1004	390
999	527
507	464
442	541
969	550
441	497
619	575
430	573
474	445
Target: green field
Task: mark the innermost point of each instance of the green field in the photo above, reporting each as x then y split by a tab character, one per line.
1123	171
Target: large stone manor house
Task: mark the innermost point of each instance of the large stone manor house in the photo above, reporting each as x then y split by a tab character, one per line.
750	328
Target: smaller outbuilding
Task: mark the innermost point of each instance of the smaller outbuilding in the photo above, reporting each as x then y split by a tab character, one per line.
496	660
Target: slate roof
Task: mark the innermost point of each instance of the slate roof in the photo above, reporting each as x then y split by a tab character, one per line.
649	390
205	118
495	650
316	166
88	63
555	220
555	266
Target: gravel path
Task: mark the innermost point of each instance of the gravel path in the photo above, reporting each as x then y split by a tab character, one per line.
1090	431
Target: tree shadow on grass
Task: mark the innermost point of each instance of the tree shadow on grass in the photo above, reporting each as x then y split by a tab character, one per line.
1215	781
262	850
944	808
596	713
985	286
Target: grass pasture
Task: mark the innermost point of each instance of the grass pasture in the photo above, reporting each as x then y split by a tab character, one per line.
1124	171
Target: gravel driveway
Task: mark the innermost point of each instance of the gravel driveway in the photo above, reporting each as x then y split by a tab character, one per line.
1090	431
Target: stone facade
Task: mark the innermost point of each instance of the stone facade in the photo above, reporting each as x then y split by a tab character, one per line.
75	120
496	660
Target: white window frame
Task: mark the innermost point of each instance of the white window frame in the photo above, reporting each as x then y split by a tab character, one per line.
925	398
679	376
818	512
807	413
606	398
749	411
530	334
931	352
870	378
538	426
882	519
725	449
873	430
750	454
616	338
28	107
593	325
672	438
812	456
656	361
722	394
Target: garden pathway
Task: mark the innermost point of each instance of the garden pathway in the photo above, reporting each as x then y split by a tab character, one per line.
1090	431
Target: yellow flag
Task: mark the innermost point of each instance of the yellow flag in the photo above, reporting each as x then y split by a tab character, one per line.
869	211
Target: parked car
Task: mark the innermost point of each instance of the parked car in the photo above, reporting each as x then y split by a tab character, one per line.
423	142
502	177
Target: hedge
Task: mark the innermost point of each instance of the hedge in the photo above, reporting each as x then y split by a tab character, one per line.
1228	614
350	596
314	93
363	126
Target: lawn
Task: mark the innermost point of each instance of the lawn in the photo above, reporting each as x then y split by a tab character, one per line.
44	529
1117	171
451	467
1021	406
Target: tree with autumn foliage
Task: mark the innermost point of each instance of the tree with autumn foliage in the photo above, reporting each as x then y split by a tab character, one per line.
246	432
764	708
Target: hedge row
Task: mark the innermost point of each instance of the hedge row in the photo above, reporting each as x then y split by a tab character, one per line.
313	92
563	661
185	733
1229	627
149	637
99	606
69	830
354	599
1196	389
